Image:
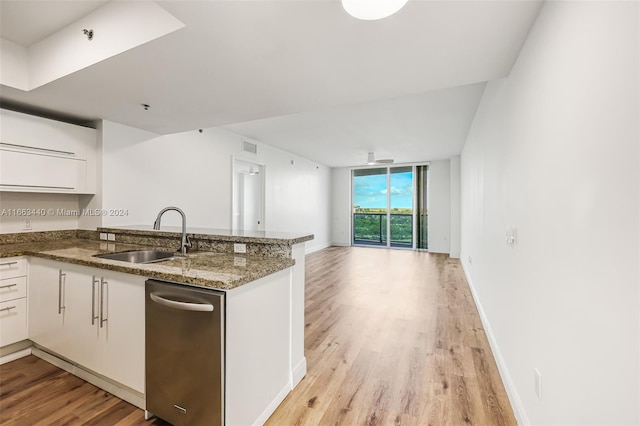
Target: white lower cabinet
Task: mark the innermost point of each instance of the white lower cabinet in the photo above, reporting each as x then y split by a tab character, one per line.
92	317
13	300
13	321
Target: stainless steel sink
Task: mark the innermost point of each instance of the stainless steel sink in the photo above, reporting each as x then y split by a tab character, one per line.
140	256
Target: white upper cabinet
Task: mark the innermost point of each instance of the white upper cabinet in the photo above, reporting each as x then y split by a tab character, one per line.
39	135
42	155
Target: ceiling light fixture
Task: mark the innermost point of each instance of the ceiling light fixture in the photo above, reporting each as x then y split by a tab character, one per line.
369	10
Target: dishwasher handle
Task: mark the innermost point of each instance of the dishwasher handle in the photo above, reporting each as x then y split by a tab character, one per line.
184	306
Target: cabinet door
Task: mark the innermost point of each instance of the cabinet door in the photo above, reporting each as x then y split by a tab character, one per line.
26	172
80	330
46	301
123	342
27	132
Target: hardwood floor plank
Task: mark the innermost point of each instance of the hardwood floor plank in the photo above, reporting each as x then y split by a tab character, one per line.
419	316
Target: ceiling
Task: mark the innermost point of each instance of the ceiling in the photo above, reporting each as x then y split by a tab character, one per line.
300	75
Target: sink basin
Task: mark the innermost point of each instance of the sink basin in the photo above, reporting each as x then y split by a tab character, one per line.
140	256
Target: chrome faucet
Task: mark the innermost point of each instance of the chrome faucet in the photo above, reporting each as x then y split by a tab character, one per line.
185	242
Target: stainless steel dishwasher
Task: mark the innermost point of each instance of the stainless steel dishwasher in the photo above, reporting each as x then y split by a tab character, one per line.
184	353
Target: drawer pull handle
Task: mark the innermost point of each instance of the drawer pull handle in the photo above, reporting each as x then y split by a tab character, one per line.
37	186
8	308
8	286
8	263
57	151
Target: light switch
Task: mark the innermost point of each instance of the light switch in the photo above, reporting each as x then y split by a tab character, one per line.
111	237
103	235
239	248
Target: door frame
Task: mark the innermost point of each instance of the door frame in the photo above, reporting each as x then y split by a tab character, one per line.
236	163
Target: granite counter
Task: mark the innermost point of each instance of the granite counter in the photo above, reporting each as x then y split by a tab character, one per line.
223	271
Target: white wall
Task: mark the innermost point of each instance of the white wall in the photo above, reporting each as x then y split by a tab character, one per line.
454	233
341	206
439	206
553	151
144	172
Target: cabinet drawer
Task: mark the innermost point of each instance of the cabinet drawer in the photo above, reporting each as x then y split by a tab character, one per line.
12	267
13	288
13	321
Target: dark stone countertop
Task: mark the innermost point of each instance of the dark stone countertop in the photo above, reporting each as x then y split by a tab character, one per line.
222	271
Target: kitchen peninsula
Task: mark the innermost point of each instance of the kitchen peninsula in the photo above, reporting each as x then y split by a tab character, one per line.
261	274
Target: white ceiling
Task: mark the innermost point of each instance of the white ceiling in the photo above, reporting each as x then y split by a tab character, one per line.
28	22
254	62
431	125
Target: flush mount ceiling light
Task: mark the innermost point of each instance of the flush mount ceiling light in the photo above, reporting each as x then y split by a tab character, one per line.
370	10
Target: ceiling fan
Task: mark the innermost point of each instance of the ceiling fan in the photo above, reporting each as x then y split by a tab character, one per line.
371	160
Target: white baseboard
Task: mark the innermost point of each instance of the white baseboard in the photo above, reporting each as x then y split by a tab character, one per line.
298	373
277	400
340	244
131	396
514	398
16	355
317	247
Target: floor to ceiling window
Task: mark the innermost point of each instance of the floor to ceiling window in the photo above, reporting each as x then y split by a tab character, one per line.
370	206
386	210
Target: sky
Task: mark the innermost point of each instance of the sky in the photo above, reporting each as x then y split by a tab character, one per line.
371	191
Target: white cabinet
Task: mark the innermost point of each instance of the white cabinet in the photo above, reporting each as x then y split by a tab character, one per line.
123	334
13	300
25	171
90	316
42	155
46	304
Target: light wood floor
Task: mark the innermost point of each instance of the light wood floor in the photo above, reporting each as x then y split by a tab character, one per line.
392	337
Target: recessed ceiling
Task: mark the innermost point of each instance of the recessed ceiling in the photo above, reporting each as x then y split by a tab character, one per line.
28	22
242	61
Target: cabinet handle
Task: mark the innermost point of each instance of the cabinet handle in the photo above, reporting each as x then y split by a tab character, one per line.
57	151
103	283
94	317
8	308
8	286
8	263
37	186
60	298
